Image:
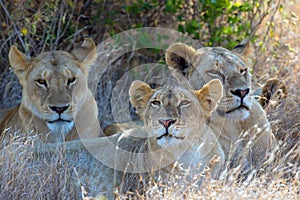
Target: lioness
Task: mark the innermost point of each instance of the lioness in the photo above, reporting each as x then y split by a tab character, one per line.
56	102
238	119
176	120
174	130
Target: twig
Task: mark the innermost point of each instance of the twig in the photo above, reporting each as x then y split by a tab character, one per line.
6	41
14	25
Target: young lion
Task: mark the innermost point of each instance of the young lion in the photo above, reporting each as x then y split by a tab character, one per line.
177	120
239	119
175	130
56	101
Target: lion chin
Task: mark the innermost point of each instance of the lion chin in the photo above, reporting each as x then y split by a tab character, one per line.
237	112
60	128
174	137
237	115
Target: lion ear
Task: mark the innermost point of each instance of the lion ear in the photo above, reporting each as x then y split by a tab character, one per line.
86	54
246	51
19	62
210	95
139	95
179	56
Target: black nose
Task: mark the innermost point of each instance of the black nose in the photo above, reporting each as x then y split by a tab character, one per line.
241	93
59	109
167	123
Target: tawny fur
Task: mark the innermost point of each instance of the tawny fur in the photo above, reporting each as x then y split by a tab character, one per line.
232	68
145	154
50	81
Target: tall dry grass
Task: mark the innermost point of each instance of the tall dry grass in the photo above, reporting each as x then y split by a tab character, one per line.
28	171
278	178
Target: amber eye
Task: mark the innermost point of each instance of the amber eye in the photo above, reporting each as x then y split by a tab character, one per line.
184	103
71	81
243	71
216	74
213	73
155	103
41	82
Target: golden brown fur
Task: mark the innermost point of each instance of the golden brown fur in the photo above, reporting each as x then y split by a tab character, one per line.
235	126
238	118
56	101
149	150
187	136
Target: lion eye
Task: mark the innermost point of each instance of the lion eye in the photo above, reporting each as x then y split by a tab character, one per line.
213	73
41	82
184	103
71	80
155	103
243	71
216	74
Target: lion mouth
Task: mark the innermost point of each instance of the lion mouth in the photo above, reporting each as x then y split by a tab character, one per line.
169	135
242	106
59	120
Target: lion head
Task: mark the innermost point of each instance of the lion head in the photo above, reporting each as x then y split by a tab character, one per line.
172	112
230	67
55	89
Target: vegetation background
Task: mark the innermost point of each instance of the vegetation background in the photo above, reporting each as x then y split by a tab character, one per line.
272	25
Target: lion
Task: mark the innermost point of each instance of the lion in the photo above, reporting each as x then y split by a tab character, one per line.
177	119
56	104
174	131
239	119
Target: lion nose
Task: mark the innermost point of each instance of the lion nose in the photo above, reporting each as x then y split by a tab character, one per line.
167	123
59	109
241	93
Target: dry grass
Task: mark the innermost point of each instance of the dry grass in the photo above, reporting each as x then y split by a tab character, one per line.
279	178
26	174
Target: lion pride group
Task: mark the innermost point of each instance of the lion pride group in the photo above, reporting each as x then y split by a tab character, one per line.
204	118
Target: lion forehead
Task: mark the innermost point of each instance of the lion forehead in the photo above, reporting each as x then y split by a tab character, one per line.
54	65
230	68
221	59
55	60
172	94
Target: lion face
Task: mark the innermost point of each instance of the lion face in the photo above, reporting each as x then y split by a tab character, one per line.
51	84
54	84
230	67
173	113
